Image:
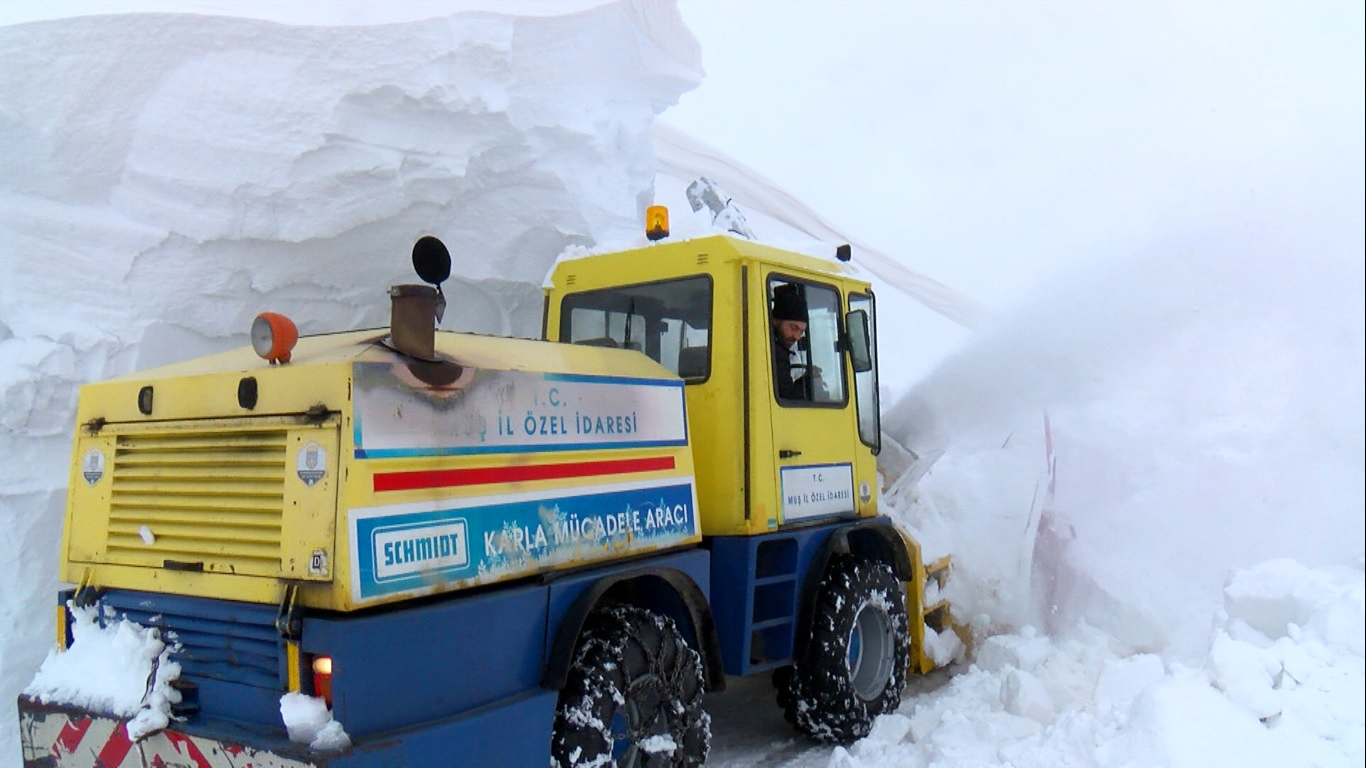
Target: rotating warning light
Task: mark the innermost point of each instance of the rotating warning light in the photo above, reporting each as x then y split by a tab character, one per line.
273	336
656	222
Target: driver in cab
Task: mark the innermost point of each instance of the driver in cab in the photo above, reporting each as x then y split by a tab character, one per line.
789	319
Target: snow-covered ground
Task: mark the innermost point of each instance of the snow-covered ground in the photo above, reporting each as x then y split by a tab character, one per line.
1191	593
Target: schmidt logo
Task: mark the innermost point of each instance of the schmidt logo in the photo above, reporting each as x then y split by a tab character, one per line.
406	550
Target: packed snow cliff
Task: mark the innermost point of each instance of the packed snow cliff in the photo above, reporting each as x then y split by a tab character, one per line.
165	177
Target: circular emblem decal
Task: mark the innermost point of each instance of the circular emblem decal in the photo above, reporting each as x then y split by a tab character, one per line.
92	466
312	463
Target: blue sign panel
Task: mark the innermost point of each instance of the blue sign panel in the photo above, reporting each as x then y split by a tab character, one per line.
411	548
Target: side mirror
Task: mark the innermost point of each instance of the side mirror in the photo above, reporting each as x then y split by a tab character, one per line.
860	350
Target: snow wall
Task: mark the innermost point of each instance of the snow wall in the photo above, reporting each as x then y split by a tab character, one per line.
165	177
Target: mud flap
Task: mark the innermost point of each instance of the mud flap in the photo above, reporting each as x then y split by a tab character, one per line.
59	736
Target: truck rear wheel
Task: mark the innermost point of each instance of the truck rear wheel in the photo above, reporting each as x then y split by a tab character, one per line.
633	696
856	659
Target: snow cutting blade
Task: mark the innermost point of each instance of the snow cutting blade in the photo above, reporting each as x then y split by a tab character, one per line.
60	736
924	600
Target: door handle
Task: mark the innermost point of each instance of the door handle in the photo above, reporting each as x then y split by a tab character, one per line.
787	454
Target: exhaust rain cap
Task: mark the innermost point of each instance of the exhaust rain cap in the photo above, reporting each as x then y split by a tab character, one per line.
416	309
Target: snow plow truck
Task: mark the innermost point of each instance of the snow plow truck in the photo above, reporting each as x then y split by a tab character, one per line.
485	551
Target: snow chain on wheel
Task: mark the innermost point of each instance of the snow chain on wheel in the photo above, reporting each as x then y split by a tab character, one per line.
856	658
633	696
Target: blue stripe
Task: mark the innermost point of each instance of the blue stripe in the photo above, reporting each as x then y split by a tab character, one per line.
595	379
486	450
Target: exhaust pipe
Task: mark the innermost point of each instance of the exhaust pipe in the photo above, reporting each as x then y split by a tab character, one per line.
413	314
414	310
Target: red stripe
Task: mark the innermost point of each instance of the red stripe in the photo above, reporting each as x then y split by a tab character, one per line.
71	735
191	750
445	478
116	748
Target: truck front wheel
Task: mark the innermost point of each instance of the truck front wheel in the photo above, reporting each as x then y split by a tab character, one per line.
856	658
633	696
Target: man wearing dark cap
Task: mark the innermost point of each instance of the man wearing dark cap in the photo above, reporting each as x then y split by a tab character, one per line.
789	325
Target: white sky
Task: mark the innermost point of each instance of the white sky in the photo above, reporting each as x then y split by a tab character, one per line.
991	143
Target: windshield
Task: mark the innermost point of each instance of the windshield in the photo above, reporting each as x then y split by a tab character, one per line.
669	320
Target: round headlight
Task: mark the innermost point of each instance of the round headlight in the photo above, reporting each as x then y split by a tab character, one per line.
273	336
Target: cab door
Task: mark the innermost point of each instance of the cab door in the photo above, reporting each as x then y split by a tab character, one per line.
814	425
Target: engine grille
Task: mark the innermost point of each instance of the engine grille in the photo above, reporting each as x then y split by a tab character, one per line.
211	498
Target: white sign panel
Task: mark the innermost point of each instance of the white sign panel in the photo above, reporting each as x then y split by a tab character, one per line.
816	490
513	412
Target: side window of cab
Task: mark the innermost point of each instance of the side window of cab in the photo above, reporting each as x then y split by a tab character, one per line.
804	324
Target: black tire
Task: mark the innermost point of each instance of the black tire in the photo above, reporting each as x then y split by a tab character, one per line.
633	696
856	659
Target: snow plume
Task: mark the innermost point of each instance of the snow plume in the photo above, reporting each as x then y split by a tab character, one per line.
165	177
1206	402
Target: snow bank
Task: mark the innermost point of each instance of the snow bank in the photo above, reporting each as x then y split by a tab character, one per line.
164	177
1290	698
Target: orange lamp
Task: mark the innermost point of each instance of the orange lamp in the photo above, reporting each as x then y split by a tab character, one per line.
273	336
656	222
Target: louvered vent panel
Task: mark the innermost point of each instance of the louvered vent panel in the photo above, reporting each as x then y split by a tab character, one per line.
208	498
212	639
